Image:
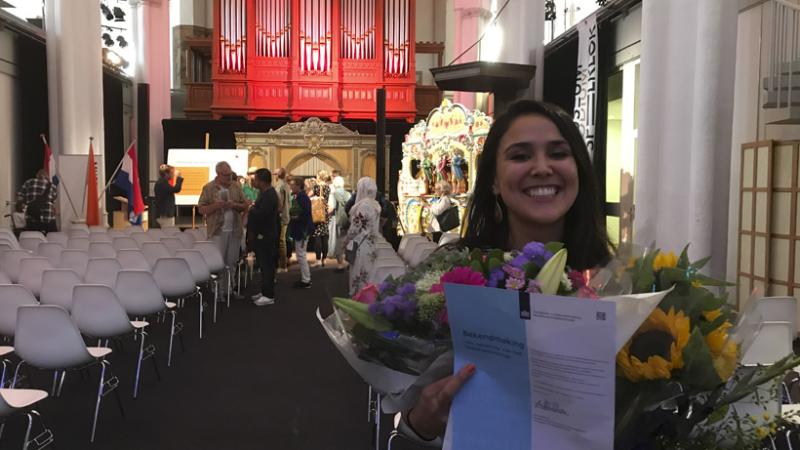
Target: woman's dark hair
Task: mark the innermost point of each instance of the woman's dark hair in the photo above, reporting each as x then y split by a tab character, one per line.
585	233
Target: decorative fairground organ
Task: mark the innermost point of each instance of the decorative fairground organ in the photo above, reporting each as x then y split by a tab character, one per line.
302	58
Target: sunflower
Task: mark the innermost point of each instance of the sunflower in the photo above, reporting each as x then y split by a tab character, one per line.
664	261
656	349
724	351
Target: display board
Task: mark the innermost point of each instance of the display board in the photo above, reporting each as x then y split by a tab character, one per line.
197	168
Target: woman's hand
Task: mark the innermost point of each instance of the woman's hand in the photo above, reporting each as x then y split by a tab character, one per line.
429	417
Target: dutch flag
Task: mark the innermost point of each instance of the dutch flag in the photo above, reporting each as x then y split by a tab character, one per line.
127	179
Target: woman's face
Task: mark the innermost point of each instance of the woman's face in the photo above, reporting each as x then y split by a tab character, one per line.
536	176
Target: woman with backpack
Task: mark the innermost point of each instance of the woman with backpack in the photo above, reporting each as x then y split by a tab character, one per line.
319	213
338	222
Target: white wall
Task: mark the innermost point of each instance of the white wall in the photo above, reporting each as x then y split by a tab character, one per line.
426	26
749	123
9	112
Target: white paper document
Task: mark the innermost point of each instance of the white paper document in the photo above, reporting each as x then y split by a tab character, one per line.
545	369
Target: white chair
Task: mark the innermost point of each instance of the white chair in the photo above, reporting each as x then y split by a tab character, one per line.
102	271
133	259
78	243
380	273
421	253
187	239
199	269
32	234
134	229
772	343
170	231
155	234
97	312
30	243
216	264
57	286
58	237
75	260
8	234
174	278
449	238
99	237
199	234
141	238
79	227
139	294
78	233
407	238
125	243
408	253
12	296
173	244
113	234
153	251
21	401
99	229
102	250
778	309
47	338
51	251
10	263
30	273
6	244
4	278
385	252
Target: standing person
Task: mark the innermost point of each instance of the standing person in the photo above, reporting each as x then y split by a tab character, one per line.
222	203
319	208
338	222
300	229
365	223
535	183
248	185
442	190
165	194
263	231
284	203
39	194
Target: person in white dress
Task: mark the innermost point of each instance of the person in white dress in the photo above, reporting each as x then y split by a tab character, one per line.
442	190
365	219
338	220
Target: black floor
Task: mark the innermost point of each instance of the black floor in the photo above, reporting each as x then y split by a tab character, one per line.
261	378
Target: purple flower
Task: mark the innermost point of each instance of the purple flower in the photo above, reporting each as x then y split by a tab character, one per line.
515	284
398	307
383	287
495	277
513	272
520	260
534	287
407	289
537	252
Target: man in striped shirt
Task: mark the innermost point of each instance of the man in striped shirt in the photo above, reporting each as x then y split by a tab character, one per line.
39	196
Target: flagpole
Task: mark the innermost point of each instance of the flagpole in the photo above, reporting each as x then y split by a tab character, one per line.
111	180
63	186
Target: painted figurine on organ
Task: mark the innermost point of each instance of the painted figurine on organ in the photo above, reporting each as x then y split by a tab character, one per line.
458	182
443	168
427	171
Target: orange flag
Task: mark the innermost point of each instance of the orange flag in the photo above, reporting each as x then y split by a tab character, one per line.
92	200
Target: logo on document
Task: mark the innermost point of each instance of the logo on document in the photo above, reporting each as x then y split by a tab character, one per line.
553	407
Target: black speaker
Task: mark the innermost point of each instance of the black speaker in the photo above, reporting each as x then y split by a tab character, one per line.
380	147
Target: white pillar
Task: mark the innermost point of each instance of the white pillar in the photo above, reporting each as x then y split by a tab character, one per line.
522	27
75	91
151	34
686	106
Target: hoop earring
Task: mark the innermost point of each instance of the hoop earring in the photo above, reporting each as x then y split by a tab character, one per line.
498	211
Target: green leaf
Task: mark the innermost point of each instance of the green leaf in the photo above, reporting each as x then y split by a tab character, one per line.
718	414
683	260
360	313
550	276
494	263
697	265
698	366
708	281
477	267
553	247
496	254
644	275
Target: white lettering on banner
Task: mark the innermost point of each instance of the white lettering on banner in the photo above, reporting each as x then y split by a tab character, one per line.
586	81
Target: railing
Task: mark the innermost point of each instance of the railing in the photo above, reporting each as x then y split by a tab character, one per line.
783	54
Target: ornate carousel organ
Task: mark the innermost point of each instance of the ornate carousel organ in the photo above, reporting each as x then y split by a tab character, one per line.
304	58
445	147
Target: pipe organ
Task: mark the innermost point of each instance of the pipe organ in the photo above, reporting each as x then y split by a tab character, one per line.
303	58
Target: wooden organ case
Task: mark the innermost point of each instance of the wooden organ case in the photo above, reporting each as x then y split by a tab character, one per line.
306	58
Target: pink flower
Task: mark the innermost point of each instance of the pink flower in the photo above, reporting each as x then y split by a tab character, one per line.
367	295
459	275
577	279
587	292
443	318
515	284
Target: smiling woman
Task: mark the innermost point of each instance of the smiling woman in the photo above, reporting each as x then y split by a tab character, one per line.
536	175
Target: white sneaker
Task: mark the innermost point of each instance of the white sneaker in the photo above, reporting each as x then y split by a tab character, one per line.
264	301
282	270
255	297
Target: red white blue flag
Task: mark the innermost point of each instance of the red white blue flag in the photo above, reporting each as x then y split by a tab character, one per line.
127	179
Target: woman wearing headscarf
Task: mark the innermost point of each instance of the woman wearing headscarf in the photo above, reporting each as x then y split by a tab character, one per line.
365	219
338	220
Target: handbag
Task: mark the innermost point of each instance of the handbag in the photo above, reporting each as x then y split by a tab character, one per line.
448	219
350	254
319	210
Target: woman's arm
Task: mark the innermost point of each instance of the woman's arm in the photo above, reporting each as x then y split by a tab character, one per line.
178	185
441	206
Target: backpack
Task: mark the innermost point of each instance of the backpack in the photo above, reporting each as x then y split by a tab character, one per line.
319	210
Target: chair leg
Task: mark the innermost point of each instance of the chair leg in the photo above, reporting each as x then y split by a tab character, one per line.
139	363
26	441
171	338
16	374
377	421
229	286
99	398
200	293
216	300
61	383
54	389
392	436
3	375
369	403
